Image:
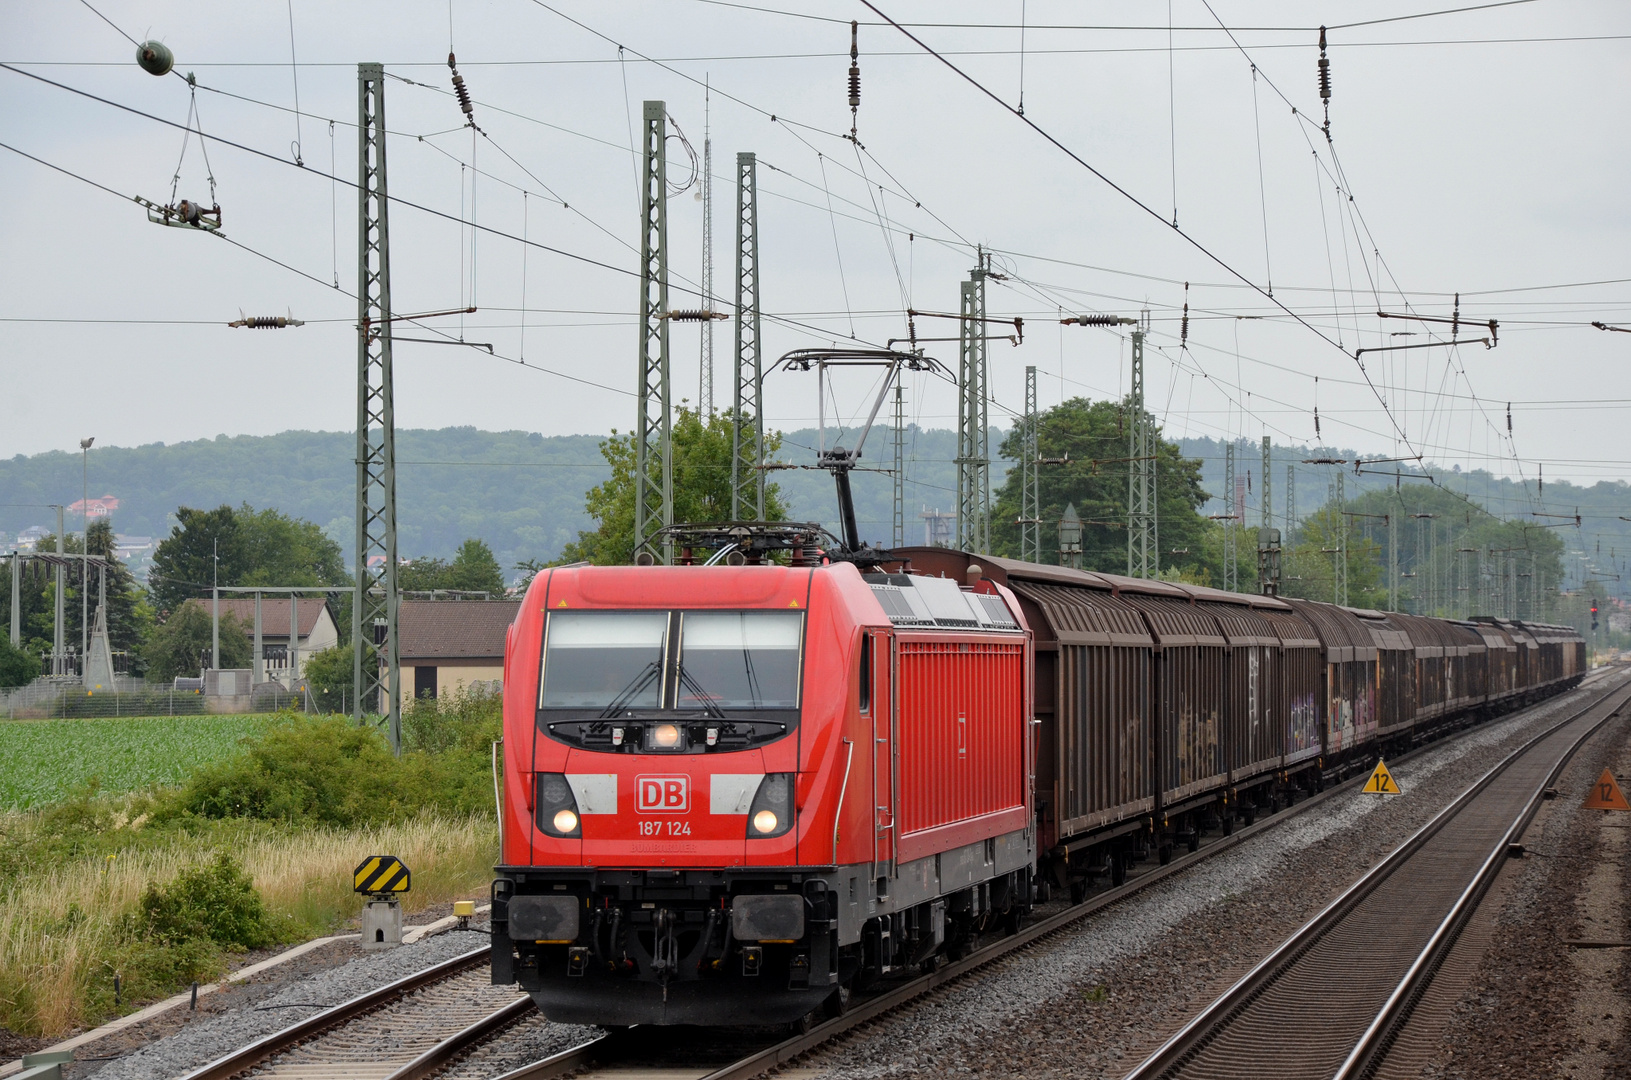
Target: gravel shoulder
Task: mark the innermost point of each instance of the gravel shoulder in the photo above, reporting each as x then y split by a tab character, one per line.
1093	1000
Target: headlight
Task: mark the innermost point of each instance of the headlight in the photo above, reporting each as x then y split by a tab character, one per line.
556	808
772	811
665	737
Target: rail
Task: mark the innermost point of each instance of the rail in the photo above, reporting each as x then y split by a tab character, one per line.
1181	1050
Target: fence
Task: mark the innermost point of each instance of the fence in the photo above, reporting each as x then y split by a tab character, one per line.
66	699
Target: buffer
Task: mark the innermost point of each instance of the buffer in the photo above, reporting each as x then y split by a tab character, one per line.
1606	794
1381	782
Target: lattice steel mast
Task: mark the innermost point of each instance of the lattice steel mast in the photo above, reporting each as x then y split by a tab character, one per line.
1030	501
747	450
898	529
1231	558
376	671
973	438
705	389
653	433
1143	534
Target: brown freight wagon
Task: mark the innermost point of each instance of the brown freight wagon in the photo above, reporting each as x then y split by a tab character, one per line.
1395	677
1254	703
1348	701
1500	664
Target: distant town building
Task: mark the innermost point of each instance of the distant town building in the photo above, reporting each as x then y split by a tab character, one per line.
316	629
32	536
452	645
94	508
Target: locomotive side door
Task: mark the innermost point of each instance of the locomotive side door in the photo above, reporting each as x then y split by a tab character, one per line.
880	649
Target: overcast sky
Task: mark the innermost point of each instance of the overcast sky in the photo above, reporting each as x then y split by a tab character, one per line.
1484	152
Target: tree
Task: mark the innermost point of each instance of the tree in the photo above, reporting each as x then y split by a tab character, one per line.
177	645
702	487
328	673
1308	568
1089	433
473	569
17	668
254	547
129	616
185	563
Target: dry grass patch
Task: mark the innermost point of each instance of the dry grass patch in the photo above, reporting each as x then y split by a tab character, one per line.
65	930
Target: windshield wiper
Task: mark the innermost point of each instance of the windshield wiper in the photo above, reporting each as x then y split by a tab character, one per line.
641	680
710	703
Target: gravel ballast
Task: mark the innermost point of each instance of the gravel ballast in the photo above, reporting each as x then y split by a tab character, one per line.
1096	998
209	1038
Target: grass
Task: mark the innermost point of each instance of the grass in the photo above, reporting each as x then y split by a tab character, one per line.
125	836
64	932
47	760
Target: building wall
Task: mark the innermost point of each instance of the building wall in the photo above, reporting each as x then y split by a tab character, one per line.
453	675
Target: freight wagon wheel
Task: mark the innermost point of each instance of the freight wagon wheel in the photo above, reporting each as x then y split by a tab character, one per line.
1118	869
1078	889
1194	841
1164	854
1228	823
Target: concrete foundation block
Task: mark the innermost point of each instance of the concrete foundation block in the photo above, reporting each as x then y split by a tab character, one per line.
381	924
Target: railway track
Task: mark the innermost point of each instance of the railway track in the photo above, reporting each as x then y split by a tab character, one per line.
423	1025
406	1030
1330	1000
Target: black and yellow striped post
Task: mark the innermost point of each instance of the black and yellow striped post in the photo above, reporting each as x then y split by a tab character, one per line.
381	875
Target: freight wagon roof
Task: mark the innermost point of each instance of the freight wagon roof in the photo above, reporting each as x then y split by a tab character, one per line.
1342	632
1085	616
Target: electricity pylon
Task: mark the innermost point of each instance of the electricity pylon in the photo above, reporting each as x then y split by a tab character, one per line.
973	449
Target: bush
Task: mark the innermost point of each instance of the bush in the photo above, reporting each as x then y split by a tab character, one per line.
215	902
464	720
324	771
17	668
330	673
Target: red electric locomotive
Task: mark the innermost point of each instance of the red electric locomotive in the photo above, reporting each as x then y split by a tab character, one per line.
731	792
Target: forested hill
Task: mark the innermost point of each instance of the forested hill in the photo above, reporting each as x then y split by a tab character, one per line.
519	491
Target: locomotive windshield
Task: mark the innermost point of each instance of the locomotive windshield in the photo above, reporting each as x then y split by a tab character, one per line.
739	659
596	659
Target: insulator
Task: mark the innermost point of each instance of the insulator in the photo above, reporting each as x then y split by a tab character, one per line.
1094	320
1316	421
1325	70
188	211
155	57
1183	327
854	86
459	90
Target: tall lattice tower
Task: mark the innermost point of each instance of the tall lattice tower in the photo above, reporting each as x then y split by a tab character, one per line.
705	377
973	449
654	465
747	450
1143	531
376	671
1030	498
1231	557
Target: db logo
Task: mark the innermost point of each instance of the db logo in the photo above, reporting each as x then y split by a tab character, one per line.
662	794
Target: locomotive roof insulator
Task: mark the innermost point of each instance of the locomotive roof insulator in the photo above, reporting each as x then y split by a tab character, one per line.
155	57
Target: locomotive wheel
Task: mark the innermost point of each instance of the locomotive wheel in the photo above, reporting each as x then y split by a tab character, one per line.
803	1024
837	1003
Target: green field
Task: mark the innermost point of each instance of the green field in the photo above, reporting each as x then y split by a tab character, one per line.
43	760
